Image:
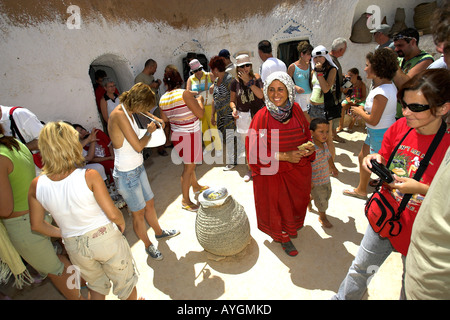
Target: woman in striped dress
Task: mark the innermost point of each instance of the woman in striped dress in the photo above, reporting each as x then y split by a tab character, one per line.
182	110
221	105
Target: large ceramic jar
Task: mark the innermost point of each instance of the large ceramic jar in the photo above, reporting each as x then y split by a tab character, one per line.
222	226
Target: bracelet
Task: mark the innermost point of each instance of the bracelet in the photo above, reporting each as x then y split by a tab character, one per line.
250	83
320	74
148	134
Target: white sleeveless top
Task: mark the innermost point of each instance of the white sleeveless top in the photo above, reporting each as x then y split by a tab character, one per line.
71	203
126	158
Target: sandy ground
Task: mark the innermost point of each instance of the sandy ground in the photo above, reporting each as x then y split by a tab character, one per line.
262	271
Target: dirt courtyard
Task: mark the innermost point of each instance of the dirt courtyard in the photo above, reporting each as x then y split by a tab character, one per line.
262	271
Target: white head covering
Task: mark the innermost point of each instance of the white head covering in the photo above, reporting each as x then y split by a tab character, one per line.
321	51
280	113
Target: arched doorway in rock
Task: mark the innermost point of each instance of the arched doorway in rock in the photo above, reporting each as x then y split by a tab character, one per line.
116	68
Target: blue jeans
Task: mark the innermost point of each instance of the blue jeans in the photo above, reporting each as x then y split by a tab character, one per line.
371	254
134	187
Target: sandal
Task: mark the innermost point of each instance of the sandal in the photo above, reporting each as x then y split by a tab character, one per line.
190	208
352	193
201	190
289	248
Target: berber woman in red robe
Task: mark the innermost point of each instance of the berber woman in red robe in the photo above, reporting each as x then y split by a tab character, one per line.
281	171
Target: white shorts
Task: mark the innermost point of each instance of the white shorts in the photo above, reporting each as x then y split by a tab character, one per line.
303	100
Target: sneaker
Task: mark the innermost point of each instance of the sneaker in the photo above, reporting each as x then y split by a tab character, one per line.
228	167
166	234
154	252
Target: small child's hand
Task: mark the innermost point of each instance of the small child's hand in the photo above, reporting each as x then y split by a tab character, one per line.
334	172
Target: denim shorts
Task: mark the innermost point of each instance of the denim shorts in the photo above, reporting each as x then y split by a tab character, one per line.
316	111
374	139
134	187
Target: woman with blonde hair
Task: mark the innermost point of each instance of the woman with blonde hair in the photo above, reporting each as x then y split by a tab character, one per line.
129	173
87	220
17	171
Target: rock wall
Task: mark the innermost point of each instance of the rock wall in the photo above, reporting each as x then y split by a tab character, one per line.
45	63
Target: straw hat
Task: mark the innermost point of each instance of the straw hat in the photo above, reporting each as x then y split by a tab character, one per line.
242	60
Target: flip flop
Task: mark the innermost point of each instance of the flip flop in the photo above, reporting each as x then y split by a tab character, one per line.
201	190
289	248
189	208
352	193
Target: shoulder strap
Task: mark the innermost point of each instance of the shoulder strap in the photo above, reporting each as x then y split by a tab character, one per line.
14	129
424	163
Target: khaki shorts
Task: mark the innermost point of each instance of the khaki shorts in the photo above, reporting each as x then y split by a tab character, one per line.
103	256
321	194
34	247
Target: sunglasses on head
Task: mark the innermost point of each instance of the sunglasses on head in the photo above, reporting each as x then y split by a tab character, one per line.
320	53
400	37
415	107
245	65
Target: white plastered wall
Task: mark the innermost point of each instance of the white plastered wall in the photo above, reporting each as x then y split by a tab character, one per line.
45	67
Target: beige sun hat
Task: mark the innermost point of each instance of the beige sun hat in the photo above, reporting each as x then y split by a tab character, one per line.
242	60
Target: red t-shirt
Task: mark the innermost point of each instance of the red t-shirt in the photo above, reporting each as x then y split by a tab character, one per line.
405	163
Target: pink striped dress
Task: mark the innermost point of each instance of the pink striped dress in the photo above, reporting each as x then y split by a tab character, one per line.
186	129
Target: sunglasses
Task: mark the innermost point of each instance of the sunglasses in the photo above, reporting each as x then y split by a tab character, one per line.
400	37
245	65
415	107
320	53
197	70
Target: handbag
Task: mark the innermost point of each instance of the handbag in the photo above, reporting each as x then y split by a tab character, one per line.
333	106
205	93
158	137
382	210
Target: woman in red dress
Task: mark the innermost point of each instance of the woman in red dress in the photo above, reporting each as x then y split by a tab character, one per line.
281	172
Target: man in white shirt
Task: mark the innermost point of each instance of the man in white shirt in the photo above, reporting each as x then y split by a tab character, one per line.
270	63
28	127
27	123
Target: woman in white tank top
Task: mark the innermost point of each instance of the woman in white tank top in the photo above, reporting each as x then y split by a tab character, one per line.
129	173
87	220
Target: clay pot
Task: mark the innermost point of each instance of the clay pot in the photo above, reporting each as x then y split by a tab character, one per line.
222	229
399	23
360	32
422	16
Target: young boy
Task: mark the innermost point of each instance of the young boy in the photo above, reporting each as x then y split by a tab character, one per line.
321	167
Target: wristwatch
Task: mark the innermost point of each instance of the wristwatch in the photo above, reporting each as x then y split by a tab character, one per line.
148	133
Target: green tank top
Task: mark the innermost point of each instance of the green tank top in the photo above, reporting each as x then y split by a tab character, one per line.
23	173
408	65
316	95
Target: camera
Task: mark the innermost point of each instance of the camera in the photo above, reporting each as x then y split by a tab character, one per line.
347	83
380	170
